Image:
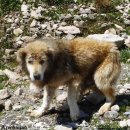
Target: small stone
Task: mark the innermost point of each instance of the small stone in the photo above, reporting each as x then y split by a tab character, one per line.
115	108
127	86
119	27
16	20
122	90
2	73
4	93
84	124
61	97
43	26
27	38
61	127
24	7
127	113
63	24
9	51
17	107
128	122
18	31
69	29
36	15
13	77
19	91
33	23
8	105
69	36
110	31
111	114
123	124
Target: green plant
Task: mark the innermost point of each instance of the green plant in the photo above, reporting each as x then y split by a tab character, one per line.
125	55
8	5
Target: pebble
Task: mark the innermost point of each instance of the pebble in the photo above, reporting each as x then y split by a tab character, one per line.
19	92
18	31
128	122
17	107
111	114
61	127
4	93
115	108
61	97
8	105
123	123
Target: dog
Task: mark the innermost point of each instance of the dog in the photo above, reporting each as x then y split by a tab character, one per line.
90	63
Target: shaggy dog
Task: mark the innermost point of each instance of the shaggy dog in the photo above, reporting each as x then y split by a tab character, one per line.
51	63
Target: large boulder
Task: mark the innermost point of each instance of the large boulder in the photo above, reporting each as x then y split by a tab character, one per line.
119	41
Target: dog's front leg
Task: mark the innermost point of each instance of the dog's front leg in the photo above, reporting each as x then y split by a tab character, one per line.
48	95
72	102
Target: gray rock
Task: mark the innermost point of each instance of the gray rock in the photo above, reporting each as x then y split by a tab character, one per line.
61	97
27	38
19	91
4	93
24	7
17	20
8	105
115	108
69	36
123	123
127	22
84	124
13	77
36	15
2	73
111	114
63	24
127	113
119	41
127	86
110	31
43	26
85	11
77	17
69	29
128	122
18	31
17	107
61	127
9	51
33	23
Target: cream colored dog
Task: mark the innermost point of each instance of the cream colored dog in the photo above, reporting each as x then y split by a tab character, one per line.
51	63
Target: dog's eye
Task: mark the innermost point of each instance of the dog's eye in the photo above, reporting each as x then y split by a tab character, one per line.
42	61
30	61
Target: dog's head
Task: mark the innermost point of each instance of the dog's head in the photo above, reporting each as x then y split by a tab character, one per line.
34	59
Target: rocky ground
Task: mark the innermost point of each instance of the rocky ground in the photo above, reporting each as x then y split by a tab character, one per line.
16	101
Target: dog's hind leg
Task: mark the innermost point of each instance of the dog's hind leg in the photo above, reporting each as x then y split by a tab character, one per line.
105	78
49	92
72	101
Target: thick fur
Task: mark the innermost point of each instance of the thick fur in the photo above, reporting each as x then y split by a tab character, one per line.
90	63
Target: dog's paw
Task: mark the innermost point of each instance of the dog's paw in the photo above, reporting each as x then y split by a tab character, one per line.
36	113
104	108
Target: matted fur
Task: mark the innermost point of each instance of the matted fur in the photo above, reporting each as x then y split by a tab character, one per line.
90	63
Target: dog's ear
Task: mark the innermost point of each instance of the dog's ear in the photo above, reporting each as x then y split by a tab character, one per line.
21	54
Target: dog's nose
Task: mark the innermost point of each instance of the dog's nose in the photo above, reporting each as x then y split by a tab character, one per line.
37	76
